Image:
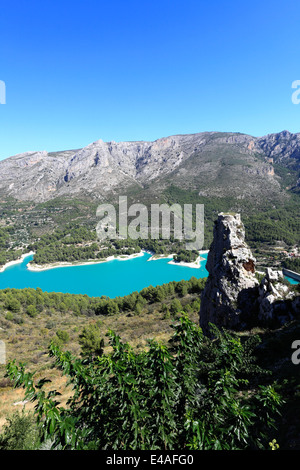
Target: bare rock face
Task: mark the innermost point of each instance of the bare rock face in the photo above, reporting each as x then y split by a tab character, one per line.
203	162
231	291
276	303
233	298
281	147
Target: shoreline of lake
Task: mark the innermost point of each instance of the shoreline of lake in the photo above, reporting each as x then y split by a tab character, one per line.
194	264
61	264
16	261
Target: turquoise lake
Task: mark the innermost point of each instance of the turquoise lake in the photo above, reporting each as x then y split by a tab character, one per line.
291	281
112	278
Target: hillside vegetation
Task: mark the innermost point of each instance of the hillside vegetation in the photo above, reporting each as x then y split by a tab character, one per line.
77	327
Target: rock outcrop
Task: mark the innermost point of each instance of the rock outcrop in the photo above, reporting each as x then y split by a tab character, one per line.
276	302
233	298
283	147
232	287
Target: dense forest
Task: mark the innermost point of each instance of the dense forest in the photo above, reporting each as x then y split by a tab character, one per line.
7	251
16	302
187	256
77	243
292	263
262	224
46	228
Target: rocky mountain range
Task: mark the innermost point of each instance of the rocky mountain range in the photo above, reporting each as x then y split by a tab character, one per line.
212	163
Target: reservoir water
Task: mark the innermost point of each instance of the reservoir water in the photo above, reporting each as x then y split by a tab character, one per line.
112	278
291	281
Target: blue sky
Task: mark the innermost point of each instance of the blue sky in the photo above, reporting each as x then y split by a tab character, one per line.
79	71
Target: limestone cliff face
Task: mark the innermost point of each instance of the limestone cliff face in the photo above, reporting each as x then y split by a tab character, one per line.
281	147
231	287
233	298
205	162
276	302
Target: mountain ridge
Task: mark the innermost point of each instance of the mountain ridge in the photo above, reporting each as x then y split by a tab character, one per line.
101	168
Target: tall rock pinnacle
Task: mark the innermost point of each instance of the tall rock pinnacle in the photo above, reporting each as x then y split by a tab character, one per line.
231	289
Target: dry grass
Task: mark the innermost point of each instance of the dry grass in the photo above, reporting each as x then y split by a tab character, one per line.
12	399
27	342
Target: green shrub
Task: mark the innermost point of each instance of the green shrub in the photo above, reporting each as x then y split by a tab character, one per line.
63	336
91	341
12	304
9	316
20	432
31	311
